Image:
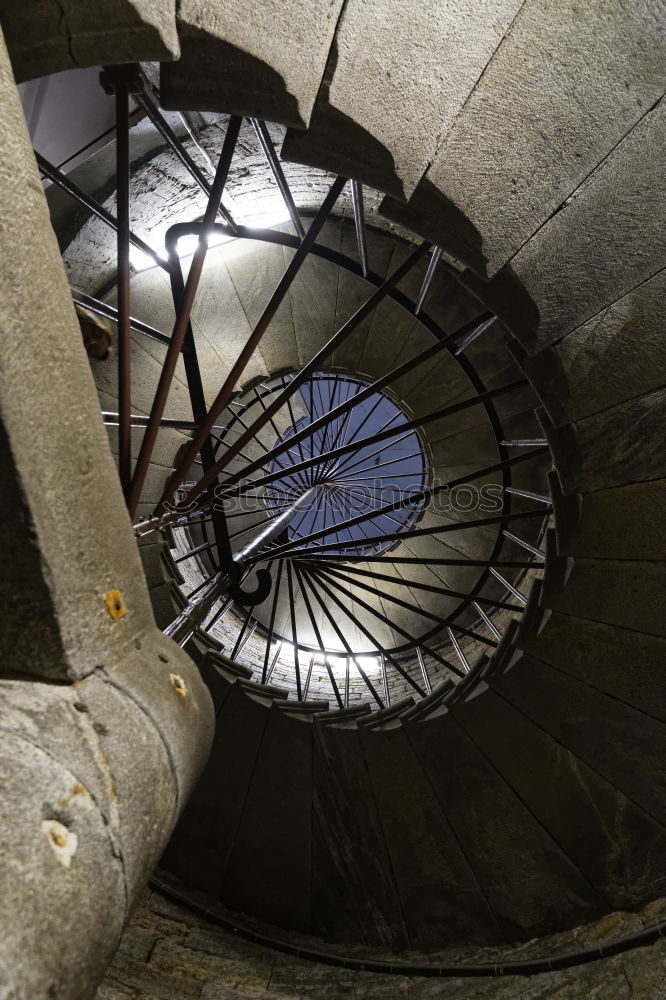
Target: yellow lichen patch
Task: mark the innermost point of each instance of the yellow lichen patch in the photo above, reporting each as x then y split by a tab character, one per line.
178	684
76	789
63	841
115	604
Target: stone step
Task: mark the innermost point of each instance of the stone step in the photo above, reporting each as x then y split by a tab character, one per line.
621	743
269	71
623	663
541	149
201	845
425	65
434	881
353	887
269	871
586	816
526	878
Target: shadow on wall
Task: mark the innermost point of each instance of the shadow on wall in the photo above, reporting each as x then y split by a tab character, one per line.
335	142
206	77
431	214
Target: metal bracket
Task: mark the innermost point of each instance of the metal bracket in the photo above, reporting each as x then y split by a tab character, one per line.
253	597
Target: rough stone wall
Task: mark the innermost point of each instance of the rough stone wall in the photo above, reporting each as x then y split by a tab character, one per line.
163	193
168	952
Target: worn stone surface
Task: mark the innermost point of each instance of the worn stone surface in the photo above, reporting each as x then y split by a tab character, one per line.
626	664
625	522
423	62
483	809
621	445
264	60
349	856
621	592
200	848
68	484
616	846
168	951
47	948
274	882
555	98
607	238
626	341
53	35
436	884
622	744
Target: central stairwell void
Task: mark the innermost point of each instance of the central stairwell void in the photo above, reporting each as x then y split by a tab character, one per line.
349	516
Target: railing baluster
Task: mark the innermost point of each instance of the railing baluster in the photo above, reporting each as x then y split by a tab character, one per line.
182	320
456	645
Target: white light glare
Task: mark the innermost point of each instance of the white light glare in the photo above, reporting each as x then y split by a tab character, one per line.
140	261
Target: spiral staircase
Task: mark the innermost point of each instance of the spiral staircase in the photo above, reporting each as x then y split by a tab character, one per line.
440	726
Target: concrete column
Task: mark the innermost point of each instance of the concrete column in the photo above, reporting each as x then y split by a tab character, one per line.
104	723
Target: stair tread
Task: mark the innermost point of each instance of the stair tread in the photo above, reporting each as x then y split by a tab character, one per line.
586	815
269	871
525	877
352	836
437	887
199	849
621	662
618	741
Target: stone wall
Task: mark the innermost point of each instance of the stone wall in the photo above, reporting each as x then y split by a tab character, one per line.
168	952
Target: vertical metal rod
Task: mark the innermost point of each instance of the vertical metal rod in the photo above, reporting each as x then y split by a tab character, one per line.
523	544
303	375
271	625
278	650
302	584
488	622
359	222
239	641
527	494
308	678
250	632
224	395
385	433
222	610
469	339
264	138
338	631
182	320
323	418
458	649
424	673
196	610
430	274
331	575
427	495
525	443
347	681
197	395
124	329
344	607
67	185
392	625
387	693
146	102
509	587
294	633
